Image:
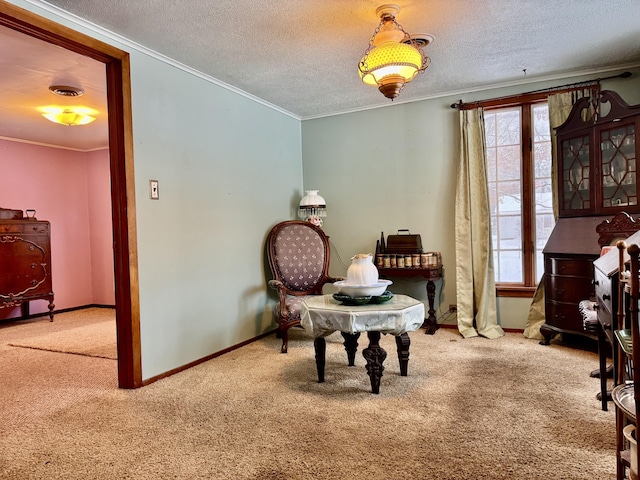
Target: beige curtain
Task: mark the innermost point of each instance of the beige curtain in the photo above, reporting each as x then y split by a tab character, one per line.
475	280
560	105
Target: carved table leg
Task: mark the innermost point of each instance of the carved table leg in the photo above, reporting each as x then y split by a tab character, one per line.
351	346
320	345
403	342
431	324
374	354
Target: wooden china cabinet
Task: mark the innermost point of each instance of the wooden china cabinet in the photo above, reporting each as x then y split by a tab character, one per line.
597	178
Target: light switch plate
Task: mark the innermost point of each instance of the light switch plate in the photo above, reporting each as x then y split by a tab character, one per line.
154	193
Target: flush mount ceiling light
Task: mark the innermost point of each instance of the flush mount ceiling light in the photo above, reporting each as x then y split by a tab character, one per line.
70	116
393	57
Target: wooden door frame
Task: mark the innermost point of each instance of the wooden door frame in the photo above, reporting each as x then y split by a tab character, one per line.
122	175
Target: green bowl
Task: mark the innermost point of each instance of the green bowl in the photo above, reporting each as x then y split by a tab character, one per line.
385	297
347	300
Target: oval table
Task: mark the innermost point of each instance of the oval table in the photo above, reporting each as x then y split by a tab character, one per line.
322	315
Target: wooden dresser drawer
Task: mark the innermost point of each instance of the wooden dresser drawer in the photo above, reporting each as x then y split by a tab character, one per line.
570	267
10	228
36	227
25	227
603	292
605	317
564	315
568	289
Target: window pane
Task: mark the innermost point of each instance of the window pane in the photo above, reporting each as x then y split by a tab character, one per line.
509	197
509	268
508	127
492	171
490	129
542	159
509	162
510	232
541	131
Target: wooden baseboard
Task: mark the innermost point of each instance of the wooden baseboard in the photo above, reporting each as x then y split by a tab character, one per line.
507	330
55	312
205	359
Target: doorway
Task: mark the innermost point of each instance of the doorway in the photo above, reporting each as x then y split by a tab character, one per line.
121	168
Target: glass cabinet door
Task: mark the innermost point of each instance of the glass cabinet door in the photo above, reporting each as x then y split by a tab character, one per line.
575	174
619	177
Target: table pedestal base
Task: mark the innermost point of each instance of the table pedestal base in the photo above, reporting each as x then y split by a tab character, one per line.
374	354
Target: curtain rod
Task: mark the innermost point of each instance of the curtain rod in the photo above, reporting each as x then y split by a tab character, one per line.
568	86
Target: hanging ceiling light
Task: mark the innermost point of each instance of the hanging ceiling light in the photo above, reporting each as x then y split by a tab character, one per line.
393	57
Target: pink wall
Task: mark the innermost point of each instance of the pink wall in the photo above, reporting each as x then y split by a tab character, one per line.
71	190
100	227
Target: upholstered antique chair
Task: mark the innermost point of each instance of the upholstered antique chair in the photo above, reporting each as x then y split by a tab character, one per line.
299	259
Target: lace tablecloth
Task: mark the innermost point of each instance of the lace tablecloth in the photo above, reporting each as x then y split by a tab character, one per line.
322	315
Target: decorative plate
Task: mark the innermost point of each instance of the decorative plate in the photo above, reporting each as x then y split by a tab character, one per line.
347	300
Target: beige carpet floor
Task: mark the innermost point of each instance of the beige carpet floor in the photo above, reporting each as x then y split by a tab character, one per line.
94	340
469	409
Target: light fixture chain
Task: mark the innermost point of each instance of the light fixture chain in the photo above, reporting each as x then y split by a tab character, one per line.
406	35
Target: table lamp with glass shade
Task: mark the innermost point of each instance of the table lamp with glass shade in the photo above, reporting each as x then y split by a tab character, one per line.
312	208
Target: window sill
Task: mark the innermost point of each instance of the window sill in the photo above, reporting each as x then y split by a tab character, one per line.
515	291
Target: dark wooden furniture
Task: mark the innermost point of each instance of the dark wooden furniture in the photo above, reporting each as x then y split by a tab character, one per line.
597	157
324	315
597	178
299	260
610	307
374	355
25	264
431	275
626	396
409	261
568	278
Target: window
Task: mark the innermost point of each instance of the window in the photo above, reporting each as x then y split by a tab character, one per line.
519	174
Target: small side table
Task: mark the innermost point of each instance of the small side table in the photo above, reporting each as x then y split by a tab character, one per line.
322	315
430	275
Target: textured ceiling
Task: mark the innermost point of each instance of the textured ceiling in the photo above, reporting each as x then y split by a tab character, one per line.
302	55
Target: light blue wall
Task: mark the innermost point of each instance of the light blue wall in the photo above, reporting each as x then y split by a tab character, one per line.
391	168
229	168
387	169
